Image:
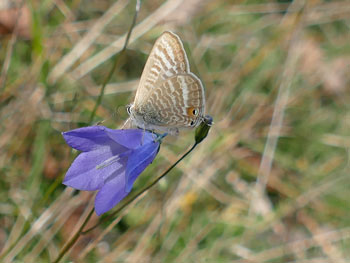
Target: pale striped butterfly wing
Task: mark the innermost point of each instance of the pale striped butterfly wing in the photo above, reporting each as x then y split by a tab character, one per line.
169	96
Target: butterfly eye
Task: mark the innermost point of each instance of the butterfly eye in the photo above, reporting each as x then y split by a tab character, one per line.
128	109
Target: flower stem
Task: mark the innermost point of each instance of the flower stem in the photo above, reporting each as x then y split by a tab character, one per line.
118	61
131	199
80	231
74	238
200	134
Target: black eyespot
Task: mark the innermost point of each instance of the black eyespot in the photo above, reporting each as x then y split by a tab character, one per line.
195	112
192	123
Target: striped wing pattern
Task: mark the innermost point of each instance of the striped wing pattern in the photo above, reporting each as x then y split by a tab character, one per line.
166	59
172	103
169	95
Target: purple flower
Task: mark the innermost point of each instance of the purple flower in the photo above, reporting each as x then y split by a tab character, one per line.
110	161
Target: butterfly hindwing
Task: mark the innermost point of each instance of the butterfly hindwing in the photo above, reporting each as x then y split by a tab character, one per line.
178	102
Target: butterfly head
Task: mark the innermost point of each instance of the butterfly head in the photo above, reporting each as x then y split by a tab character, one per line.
129	109
135	116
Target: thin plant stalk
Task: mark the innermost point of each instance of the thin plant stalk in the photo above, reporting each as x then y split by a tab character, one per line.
117	63
143	190
80	231
74	238
200	134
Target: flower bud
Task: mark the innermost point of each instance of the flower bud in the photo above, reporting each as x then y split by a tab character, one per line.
203	128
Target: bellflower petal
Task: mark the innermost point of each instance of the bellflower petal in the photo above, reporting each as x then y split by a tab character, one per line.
83	173
111	161
88	138
111	193
132	138
138	160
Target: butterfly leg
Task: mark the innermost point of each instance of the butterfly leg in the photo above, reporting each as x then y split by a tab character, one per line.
154	135
143	134
173	131
99	123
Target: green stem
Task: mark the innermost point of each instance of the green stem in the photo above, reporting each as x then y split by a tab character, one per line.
80	231
117	63
131	199
74	238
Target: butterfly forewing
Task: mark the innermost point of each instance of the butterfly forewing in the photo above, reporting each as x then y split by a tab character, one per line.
167	59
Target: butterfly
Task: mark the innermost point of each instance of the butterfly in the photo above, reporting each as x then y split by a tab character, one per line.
169	96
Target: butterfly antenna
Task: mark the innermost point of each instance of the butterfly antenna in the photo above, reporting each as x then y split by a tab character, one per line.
126	124
143	134
99	123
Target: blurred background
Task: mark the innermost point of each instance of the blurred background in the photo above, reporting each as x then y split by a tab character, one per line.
269	184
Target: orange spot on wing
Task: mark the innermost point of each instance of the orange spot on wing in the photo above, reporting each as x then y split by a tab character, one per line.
191	111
